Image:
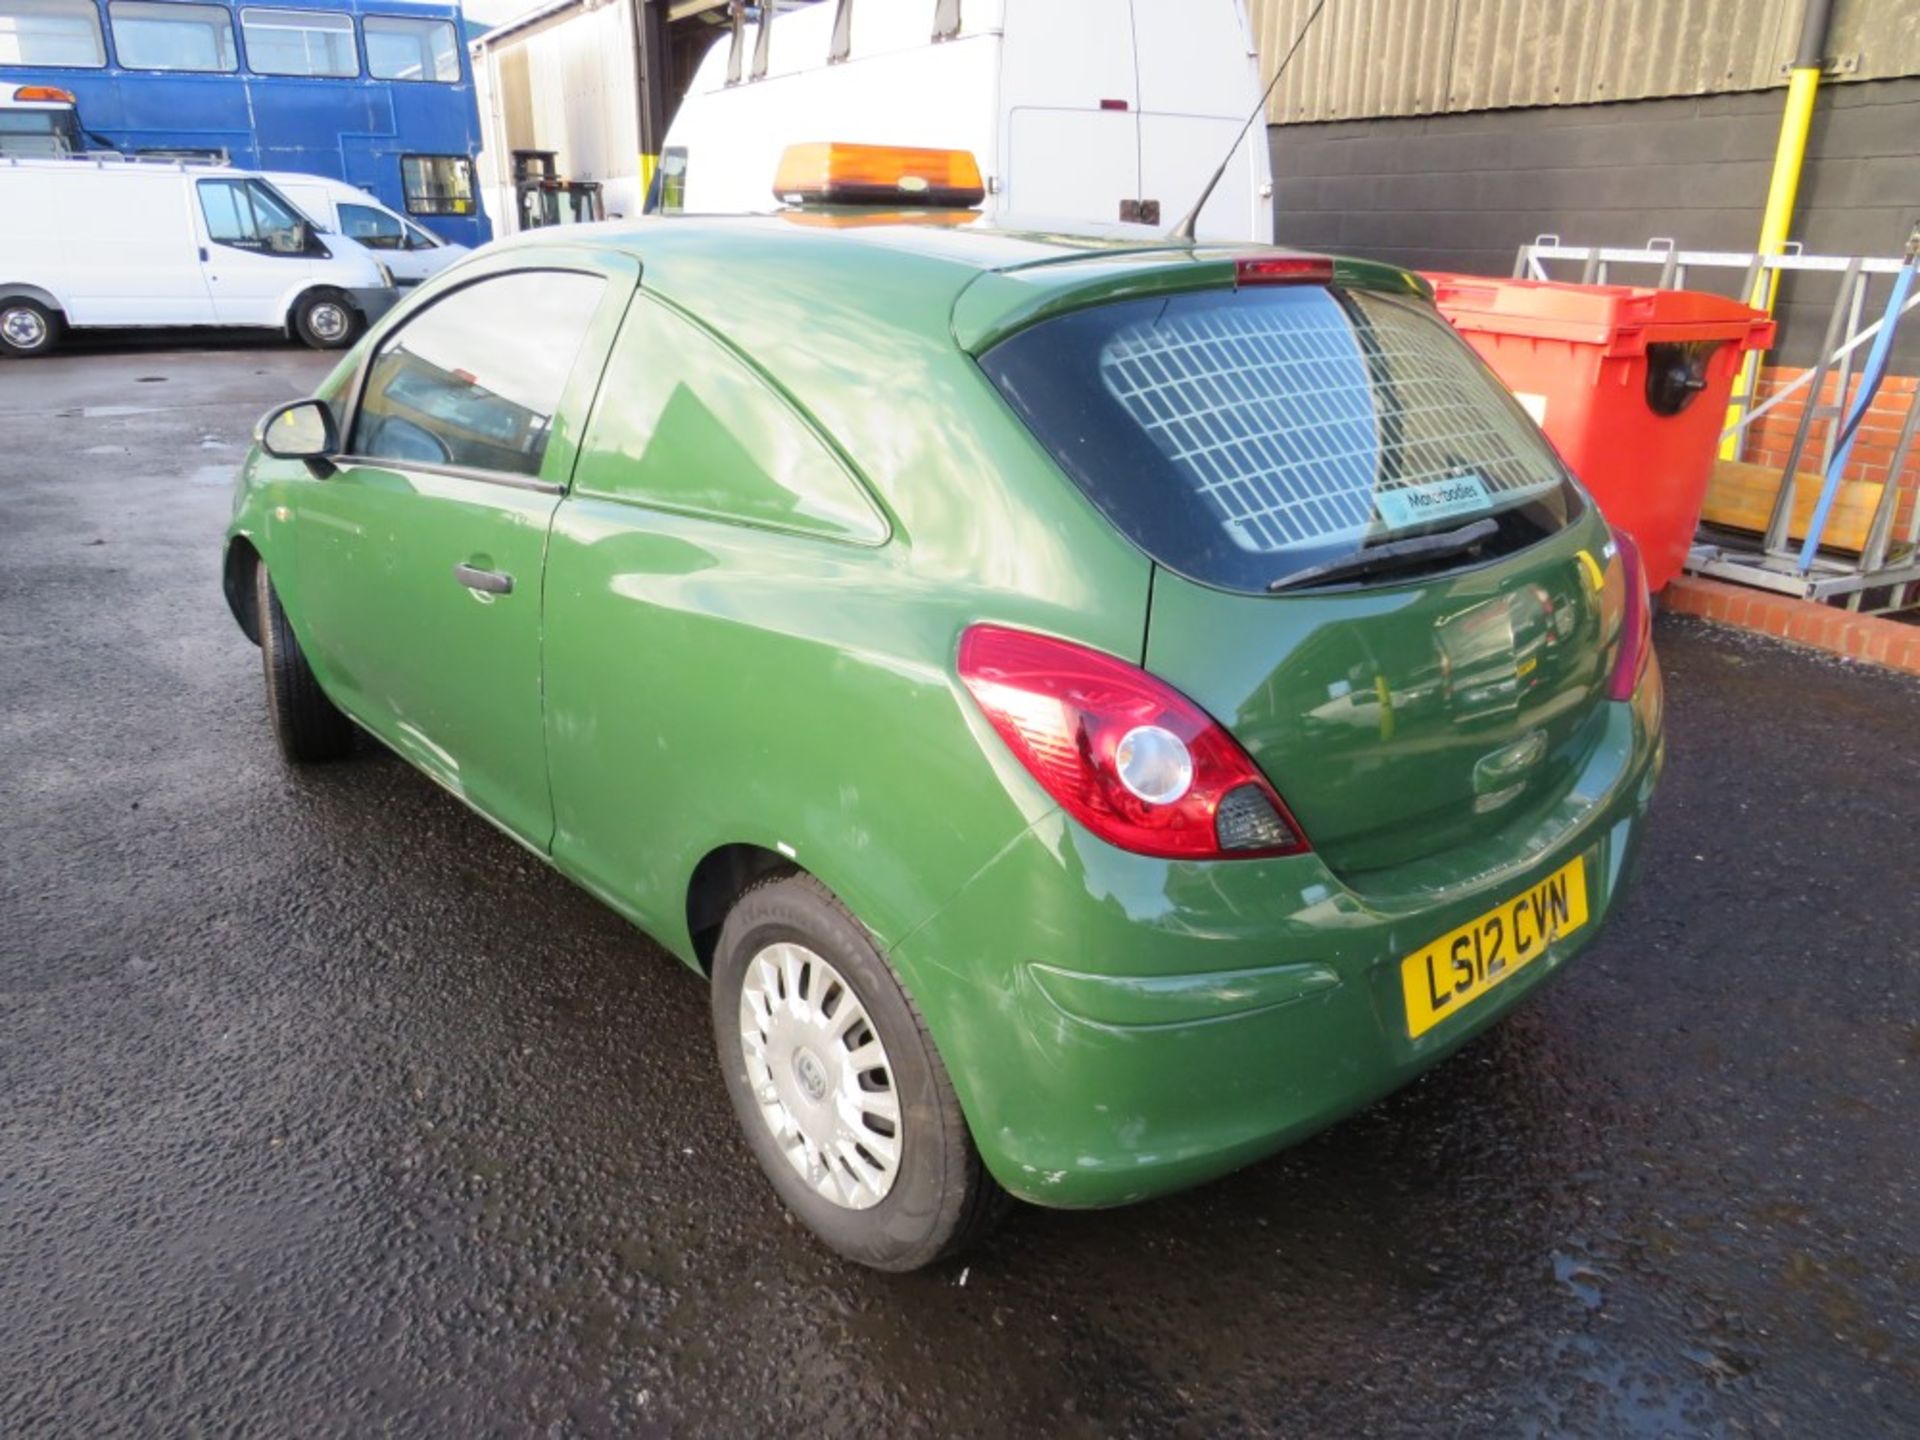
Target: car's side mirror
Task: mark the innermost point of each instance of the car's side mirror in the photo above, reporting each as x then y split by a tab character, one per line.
300	430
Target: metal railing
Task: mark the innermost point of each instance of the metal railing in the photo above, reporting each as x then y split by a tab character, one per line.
1886	561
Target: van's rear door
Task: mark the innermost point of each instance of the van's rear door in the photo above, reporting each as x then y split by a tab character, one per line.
1199	80
1069	96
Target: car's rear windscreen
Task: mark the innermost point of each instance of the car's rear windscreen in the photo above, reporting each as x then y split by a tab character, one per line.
1241	436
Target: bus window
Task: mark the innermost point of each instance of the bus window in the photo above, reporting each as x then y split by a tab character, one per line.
299	42
400	49
50	32
169	36
437	184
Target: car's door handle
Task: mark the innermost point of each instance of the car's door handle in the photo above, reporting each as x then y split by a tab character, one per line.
493	582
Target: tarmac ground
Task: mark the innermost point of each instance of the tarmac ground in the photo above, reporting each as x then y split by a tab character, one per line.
328	1110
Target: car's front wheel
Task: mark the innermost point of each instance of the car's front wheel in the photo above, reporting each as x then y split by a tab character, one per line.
843	1098
326	320
27	327
306	723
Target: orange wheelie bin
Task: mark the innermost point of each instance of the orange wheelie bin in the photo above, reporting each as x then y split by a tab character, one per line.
1629	383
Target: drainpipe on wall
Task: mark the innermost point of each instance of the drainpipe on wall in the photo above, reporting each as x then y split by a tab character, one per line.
1803	83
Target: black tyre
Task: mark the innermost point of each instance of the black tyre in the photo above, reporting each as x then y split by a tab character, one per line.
27	327
305	723
326	320
837	1084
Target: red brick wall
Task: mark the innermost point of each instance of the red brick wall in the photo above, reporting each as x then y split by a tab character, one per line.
1771	436
1825	627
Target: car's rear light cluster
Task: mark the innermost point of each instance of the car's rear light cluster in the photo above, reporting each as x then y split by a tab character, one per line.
1636	623
1126	755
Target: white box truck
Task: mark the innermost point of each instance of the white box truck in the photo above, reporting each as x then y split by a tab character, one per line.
97	242
1075	110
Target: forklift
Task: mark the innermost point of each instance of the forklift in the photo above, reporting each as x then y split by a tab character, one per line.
546	198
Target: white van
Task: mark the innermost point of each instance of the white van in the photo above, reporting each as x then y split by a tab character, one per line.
119	242
1101	110
412	252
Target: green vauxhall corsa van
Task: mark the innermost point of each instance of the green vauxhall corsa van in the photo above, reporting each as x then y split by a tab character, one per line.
1097	710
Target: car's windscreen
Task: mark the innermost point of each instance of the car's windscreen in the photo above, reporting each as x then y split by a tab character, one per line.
1243	436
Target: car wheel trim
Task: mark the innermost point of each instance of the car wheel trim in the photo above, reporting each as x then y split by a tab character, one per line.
328	320
820	1076
24	328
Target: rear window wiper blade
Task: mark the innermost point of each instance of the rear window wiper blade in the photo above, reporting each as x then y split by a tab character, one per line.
1394	555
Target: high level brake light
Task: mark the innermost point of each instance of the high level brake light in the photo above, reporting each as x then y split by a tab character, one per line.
1283	270
834	173
1126	755
1636	622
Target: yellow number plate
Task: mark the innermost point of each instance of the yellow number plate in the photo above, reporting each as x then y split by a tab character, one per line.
1450	974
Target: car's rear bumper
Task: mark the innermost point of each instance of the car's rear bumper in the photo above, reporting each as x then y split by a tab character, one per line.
1118	1027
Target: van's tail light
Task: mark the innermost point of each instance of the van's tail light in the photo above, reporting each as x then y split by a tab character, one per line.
1126	755
1636	622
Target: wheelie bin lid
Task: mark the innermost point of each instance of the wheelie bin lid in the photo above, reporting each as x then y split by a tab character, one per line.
1618	319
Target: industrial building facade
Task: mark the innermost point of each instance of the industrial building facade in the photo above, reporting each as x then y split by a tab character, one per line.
1443	134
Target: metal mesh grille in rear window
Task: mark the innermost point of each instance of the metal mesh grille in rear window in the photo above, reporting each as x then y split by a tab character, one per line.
1292	418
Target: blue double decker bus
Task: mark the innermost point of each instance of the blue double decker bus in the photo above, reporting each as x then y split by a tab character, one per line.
374	92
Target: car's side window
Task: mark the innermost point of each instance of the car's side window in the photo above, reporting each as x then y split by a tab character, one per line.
248	216
375	229
419	239
473	380
683	424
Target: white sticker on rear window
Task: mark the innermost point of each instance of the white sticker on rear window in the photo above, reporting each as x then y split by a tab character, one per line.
1407	505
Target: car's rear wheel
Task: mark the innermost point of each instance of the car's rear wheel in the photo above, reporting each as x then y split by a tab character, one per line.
843	1098
306	724
326	320
27	327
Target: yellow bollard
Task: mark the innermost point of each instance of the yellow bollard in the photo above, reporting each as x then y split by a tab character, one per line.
1788	156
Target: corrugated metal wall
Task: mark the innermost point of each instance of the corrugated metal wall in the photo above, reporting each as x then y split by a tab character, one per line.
1367	58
